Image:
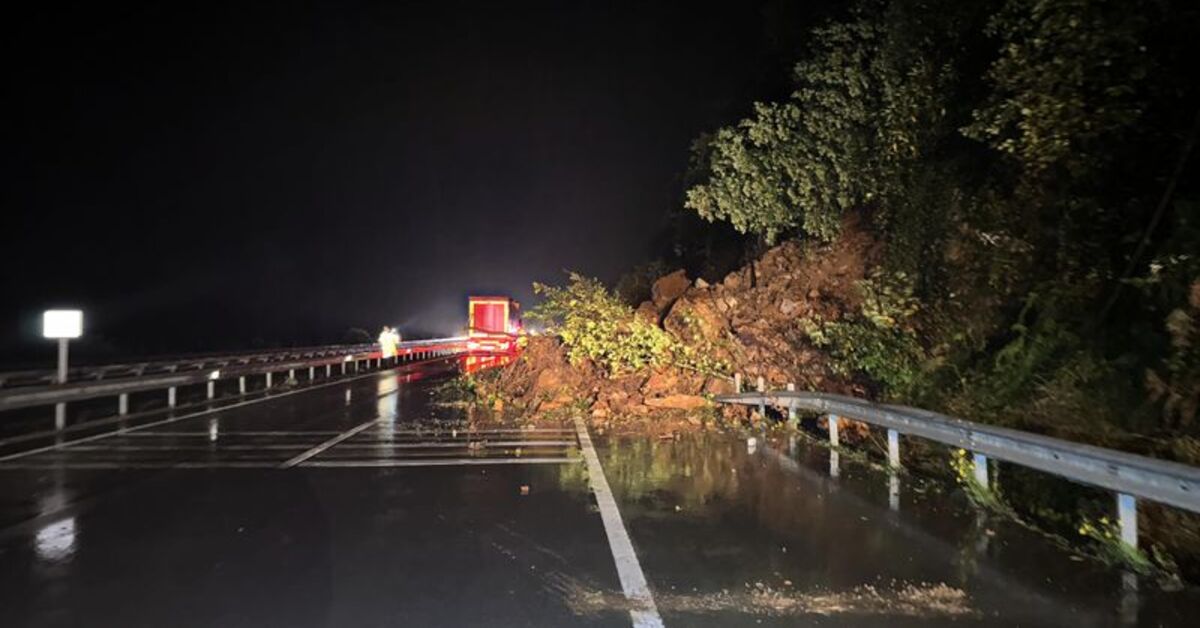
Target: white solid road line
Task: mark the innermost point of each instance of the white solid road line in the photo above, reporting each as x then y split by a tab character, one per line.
225	433
329	443
643	611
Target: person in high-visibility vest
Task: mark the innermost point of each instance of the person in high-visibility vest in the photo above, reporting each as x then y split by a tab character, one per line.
395	343
388	339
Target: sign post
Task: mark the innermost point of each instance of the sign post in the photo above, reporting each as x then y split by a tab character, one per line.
62	325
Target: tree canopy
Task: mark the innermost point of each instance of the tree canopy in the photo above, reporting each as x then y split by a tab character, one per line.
1027	165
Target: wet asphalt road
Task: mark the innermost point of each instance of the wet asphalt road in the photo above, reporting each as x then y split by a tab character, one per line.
306	511
113	533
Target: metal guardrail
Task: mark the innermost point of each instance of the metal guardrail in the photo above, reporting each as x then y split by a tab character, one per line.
1129	475
187	362
122	380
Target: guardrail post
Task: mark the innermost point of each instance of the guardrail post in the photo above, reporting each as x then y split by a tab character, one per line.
793	418
123	403
242	385
291	374
893	438
268	379
312	373
981	470
833	430
762	402
60	416
212	389
737	382
1127	519
171	397
893	449
328	371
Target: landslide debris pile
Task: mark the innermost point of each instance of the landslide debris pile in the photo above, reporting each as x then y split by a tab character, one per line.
749	321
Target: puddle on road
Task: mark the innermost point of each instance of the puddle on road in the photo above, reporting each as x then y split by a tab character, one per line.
729	533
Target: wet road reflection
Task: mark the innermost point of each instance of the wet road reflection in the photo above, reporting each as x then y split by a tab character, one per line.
733	531
56	541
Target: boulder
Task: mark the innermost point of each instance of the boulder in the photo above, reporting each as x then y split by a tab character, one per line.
694	317
733	280
717	386
648	312
668	288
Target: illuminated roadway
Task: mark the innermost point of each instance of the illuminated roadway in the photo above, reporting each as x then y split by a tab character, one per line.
364	502
300	511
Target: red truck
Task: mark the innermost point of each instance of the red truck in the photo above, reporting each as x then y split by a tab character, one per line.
493	324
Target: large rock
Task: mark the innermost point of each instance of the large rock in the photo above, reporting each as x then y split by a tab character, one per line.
717	386
677	402
668	288
648	312
696	316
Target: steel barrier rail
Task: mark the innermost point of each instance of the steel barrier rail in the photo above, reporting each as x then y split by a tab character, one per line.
215	369
33	377
197	362
1130	475
31	396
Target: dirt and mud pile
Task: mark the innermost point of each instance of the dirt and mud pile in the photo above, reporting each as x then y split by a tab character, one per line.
543	382
749	321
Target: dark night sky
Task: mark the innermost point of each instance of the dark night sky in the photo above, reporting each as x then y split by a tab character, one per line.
215	177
